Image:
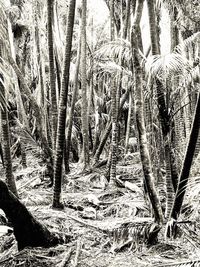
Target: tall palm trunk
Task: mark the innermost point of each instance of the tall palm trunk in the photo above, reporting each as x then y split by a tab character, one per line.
114	143
128	127
71	112
54	112
187	163
163	112
84	109
140	122
60	140
112	24
127	19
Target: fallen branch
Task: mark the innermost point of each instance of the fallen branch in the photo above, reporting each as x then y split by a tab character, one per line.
86	223
78	252
66	258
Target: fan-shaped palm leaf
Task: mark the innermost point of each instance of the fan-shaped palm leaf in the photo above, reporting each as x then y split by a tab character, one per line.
167	65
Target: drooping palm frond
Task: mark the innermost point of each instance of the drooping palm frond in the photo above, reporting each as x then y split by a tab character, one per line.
26	136
134	233
116	50
109	68
166	66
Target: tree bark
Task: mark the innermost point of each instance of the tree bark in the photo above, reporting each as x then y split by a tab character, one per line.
60	140
164	117
84	108
187	163
54	111
144	153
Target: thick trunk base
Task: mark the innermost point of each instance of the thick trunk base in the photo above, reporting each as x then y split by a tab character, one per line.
27	230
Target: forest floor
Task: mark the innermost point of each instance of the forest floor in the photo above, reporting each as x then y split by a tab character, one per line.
97	219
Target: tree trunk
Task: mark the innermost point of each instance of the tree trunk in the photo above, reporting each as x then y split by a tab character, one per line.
27	230
112	28
84	109
187	163
144	153
128	127
163	110
127	19
60	140
54	111
114	143
71	112
108	129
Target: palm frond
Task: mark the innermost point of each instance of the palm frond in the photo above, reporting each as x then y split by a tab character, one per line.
118	49
25	136
167	65
187	43
111	68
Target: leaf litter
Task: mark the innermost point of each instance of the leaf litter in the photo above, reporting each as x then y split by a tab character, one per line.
109	226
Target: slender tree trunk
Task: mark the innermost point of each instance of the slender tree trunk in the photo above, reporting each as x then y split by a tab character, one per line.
54	111
163	111
108	129
112	23
187	163
84	109
60	140
144	153
128	127
127	19
36	8
71	112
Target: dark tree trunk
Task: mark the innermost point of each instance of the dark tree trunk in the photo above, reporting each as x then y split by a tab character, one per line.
54	111
60	140
187	163
27	230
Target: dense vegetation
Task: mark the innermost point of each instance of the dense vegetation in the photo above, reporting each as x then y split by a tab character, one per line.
89	90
